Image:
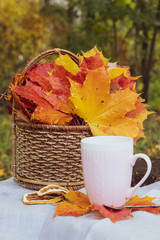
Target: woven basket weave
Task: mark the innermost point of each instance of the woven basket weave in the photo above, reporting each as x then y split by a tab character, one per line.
47	154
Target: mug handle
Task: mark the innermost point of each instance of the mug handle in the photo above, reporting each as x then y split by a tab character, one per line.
149	167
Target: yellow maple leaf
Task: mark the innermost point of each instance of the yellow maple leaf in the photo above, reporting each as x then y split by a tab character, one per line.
116	72
78	198
136	200
67	63
77	204
104	112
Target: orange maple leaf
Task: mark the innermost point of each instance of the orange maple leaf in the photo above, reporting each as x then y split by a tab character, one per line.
148	209
49	115
114	216
136	200
77	204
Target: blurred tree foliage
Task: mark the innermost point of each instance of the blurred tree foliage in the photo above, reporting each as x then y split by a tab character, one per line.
24	33
126	31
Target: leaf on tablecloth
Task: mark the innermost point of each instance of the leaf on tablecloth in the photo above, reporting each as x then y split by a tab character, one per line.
76	204
114	216
136	200
148	209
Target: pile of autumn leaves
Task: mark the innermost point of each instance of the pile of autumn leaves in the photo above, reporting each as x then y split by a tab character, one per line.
76	204
97	92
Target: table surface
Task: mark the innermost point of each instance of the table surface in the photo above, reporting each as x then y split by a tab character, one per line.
36	222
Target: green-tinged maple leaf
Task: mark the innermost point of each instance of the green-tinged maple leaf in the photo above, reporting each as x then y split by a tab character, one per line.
104	112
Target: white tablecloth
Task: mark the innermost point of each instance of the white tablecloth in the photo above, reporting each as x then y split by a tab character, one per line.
35	222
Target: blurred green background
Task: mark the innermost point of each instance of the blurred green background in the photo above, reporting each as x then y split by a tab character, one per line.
126	31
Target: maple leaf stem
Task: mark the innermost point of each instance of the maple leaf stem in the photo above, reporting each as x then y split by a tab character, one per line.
74	121
83	122
78	121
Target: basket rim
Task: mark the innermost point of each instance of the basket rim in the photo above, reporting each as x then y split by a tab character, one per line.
52	127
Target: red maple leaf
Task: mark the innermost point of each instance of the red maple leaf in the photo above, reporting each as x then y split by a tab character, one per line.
92	62
114	216
39	74
44	87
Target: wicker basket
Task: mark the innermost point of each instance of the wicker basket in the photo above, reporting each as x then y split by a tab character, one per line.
47	154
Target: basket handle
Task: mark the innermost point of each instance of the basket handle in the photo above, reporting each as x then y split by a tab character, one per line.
48	53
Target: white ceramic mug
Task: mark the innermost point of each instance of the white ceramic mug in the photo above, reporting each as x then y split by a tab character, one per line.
107	168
